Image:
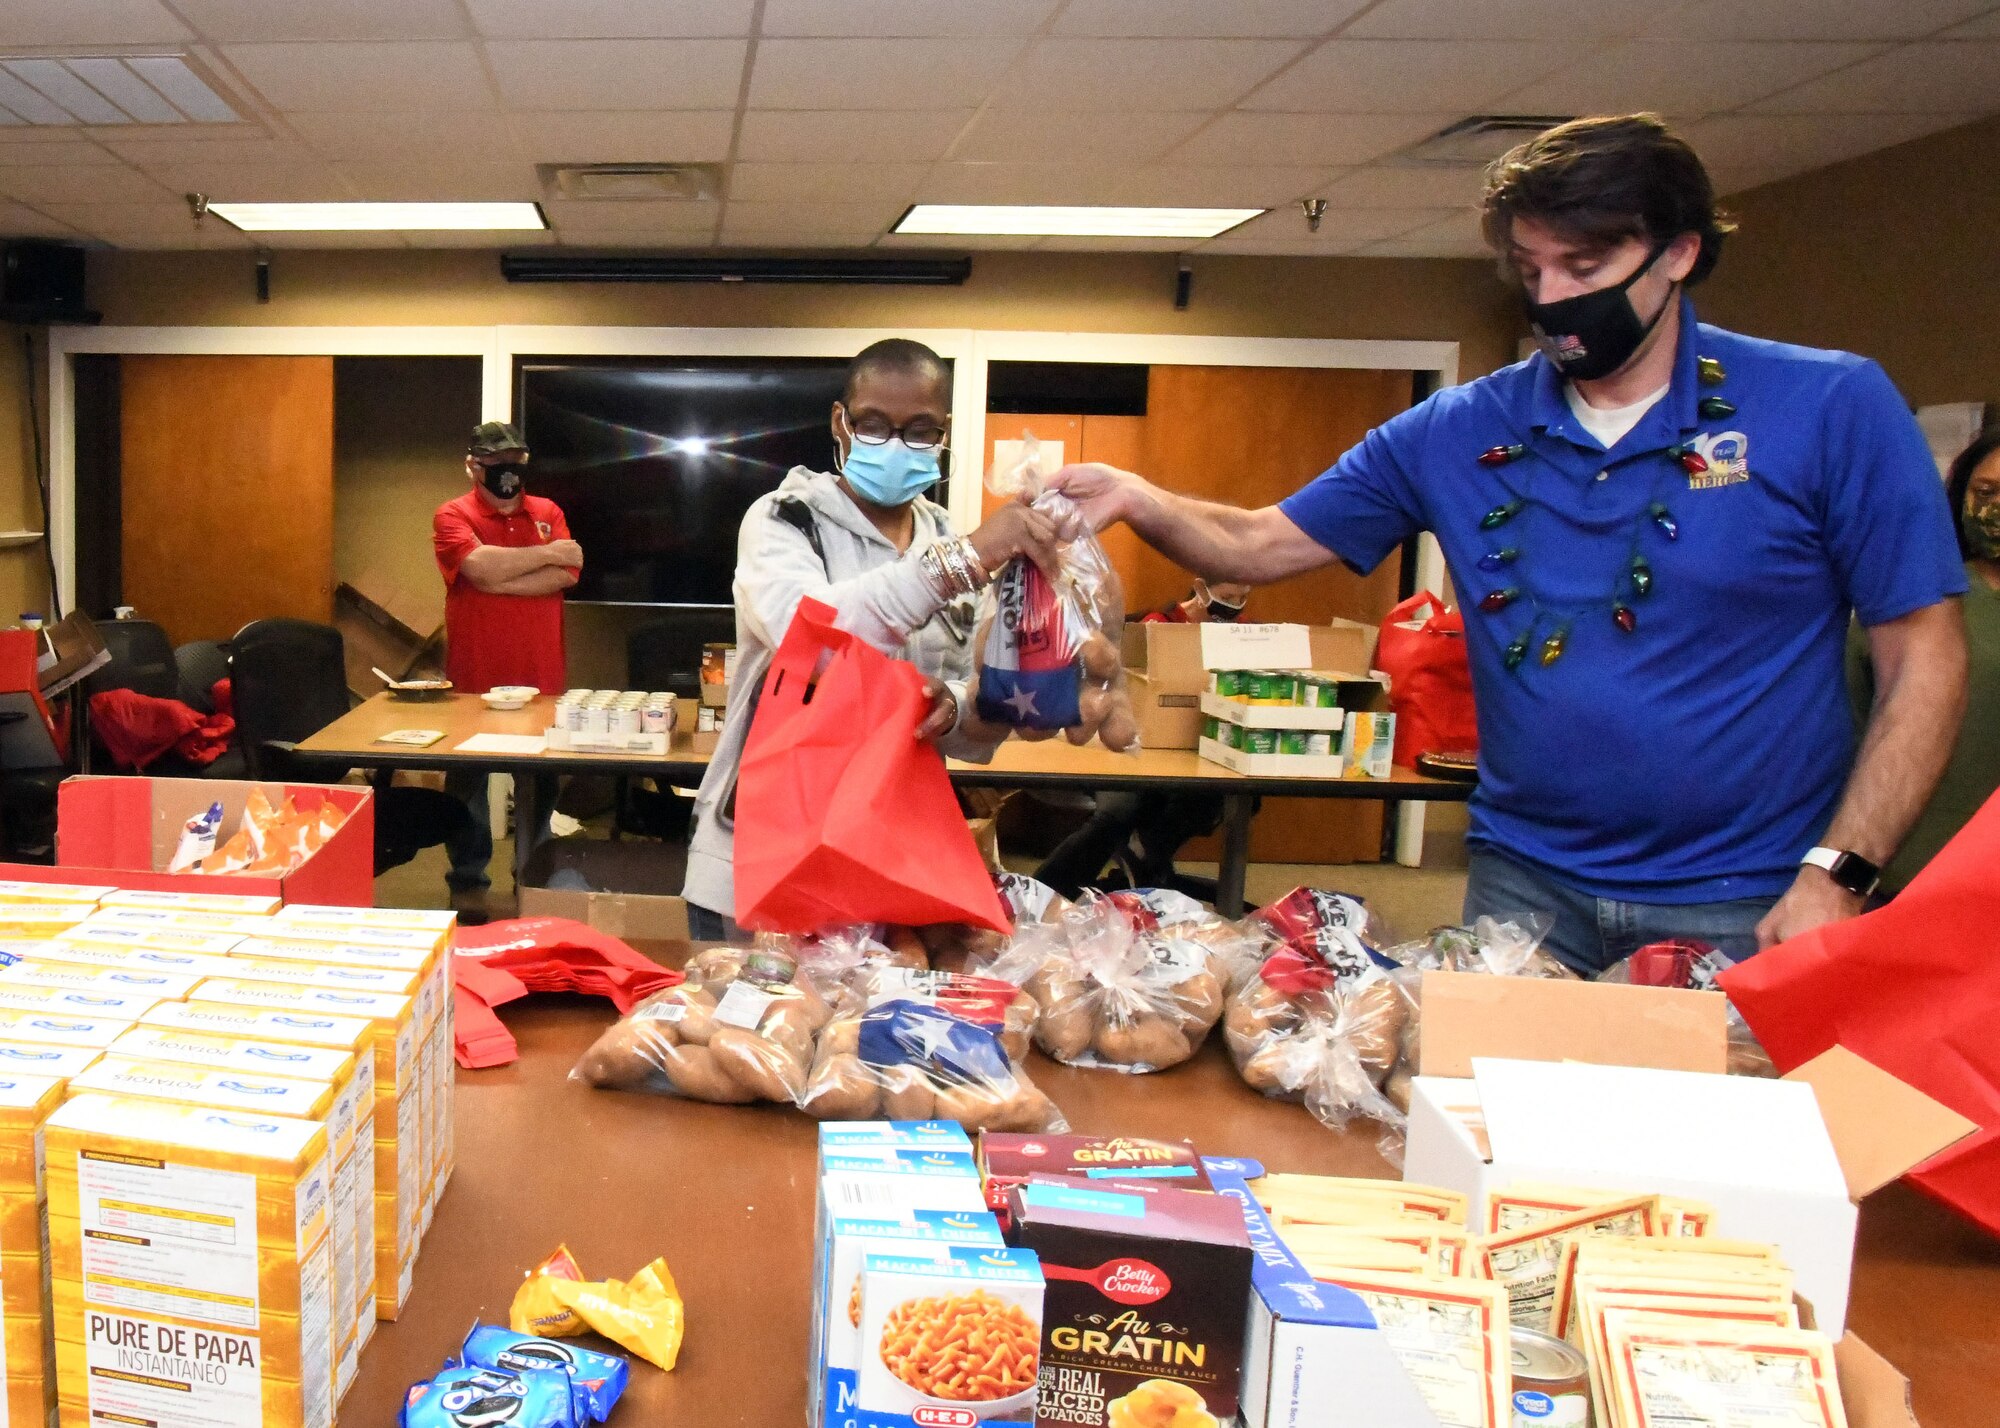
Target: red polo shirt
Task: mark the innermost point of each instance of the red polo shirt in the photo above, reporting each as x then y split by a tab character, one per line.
498	639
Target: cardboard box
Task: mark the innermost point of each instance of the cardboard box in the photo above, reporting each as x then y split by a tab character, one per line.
904	1348
1008	1159
383	625
123	831
1167	675
627	887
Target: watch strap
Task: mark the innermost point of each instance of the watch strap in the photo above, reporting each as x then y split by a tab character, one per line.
1849	870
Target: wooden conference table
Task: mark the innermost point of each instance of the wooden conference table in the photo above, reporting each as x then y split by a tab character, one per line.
351	742
726	1194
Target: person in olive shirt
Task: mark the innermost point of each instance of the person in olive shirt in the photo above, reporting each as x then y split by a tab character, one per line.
1973	774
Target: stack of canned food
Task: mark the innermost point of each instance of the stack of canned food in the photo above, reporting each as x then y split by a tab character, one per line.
611	712
1297	689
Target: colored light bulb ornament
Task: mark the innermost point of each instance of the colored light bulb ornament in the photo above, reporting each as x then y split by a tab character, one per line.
1500	515
1641	575
1624	618
1500	599
1554	645
1517	650
1497	559
1709	372
1664	519
1501	455
1715	408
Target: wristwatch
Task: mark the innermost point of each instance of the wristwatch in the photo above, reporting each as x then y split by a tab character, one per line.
1849	870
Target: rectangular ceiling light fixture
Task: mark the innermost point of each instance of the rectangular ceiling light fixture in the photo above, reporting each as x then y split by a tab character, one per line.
108	89
360	217
1056	221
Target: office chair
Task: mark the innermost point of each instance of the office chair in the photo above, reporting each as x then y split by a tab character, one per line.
289	679
665	654
144	661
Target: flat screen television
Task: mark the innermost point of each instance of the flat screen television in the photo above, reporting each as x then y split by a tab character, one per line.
655	460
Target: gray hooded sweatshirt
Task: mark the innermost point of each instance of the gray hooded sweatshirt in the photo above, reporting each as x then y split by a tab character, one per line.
879	595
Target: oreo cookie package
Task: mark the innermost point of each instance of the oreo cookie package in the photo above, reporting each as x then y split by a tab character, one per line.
470	1396
599	1378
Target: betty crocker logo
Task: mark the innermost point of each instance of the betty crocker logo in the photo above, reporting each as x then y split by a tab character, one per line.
1133	1281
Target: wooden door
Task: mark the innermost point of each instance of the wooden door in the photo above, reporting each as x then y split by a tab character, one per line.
227	491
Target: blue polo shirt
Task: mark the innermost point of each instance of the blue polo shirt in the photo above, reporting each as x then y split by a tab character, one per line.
1697	757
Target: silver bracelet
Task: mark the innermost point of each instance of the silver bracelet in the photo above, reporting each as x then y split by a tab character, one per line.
953	568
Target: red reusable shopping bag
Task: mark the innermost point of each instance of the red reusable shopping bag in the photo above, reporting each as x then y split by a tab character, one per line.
842	814
1430	680
1913	987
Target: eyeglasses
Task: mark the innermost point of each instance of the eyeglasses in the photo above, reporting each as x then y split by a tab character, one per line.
919	434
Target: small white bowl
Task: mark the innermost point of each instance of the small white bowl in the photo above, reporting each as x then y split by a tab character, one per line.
509	696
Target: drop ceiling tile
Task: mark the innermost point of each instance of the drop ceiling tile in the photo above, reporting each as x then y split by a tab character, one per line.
449	238
1116	245
1682	78
65	151
1048	135
1306	19
624	240
254	183
624	136
1329	140
914	18
1793	143
220	237
1338	231
27	23
1220	186
878	74
196	150
840	218
23	222
352	76
848	136
80	183
385	136
609	19
618	74
1083	74
319	241
1022	183
1986	27
159	213
824	183
418	181
221	21
1939	77
1410	76
631	215
1454	237
789	244
1502	20
1812	19
1390	186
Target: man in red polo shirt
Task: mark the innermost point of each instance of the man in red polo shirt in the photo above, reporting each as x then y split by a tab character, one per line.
506	558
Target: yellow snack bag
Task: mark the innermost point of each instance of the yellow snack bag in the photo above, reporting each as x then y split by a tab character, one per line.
643	1314
536	1310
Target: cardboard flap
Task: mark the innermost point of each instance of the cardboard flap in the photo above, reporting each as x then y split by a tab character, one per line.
1468	1014
1881	1126
1873	1392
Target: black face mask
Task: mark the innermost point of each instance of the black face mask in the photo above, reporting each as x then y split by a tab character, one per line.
1228	614
503	480
1593	334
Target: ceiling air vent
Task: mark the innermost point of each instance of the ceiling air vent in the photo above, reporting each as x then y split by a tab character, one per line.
1477	141
686	183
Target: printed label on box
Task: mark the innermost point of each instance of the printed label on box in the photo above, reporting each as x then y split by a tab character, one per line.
142	1371
169	1239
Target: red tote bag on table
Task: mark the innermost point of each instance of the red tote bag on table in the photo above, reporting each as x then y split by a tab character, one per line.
1430	679
842	814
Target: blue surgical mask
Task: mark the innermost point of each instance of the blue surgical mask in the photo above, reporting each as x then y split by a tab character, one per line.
890	474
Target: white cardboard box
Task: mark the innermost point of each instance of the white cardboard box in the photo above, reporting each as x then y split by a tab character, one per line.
1757	1150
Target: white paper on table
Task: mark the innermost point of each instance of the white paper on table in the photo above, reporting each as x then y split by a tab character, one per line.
503	744
1234	646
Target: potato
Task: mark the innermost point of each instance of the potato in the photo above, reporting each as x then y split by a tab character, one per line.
842	1089
1100	659
695	1021
1093	706
1200	998
1257	1013
692	1071
1397	1089
1120	729
954	947
907	1094
763	1068
1017	1030
842	1036
1056	983
1153	1042
974	1107
1066	1031
1268	1069
1026	1110
1374	1024
715	968
790	1024
617	1060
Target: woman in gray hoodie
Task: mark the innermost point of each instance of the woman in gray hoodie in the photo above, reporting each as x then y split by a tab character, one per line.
865	540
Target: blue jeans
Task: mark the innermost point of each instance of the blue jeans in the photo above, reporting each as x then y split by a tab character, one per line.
1593	934
471	849
705	925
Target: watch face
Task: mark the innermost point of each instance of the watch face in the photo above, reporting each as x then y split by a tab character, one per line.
1855	873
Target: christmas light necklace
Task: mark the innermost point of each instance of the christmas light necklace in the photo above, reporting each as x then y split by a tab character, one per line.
1635	579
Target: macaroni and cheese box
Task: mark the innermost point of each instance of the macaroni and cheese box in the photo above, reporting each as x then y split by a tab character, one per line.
837	1305
87	896
192	1265
287	1030
167	986
949	1340
25	1103
47	1028
1148	1302
401	1151
29	921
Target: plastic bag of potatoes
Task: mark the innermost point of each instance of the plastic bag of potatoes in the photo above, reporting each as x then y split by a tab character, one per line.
931	1045
1110	994
1050	655
741	1028
954	947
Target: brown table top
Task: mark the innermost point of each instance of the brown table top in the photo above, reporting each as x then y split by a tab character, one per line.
1016	763
726	1194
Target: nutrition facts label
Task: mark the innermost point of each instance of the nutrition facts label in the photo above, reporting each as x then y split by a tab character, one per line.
169	1239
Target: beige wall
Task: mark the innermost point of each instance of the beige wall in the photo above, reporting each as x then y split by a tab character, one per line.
1891	255
399	431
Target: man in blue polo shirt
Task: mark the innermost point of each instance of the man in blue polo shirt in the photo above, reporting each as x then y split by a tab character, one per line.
1659	530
